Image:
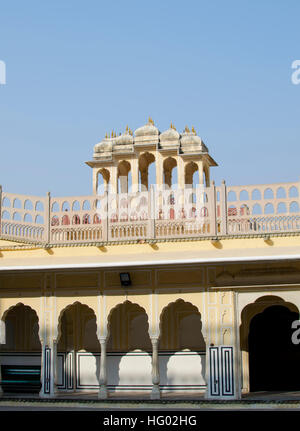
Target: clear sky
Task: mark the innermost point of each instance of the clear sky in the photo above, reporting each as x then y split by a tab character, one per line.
78	69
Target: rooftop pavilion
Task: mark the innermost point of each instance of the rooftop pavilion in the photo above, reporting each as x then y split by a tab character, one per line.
138	198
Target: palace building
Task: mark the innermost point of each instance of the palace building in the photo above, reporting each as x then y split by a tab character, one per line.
160	282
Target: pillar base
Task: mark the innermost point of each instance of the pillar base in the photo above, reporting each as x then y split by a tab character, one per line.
103	393
155	393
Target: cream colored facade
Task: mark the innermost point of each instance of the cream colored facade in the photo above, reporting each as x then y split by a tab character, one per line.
202	259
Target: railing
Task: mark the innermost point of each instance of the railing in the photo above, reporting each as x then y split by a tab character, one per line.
191	212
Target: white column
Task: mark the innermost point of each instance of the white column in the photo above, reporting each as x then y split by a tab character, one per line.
155	394
103	392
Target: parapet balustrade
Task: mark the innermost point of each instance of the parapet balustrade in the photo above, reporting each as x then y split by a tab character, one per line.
151	215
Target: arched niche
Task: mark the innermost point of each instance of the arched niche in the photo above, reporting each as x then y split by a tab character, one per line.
77	329
128	328
21	325
182	347
181	327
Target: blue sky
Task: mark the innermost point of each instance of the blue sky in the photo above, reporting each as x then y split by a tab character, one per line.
76	70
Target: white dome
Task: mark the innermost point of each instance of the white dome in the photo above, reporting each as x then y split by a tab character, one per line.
124	139
169	135
104	146
148	130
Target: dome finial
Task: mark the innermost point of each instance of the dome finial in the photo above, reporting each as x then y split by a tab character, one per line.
193	130
187	129
150	121
127	128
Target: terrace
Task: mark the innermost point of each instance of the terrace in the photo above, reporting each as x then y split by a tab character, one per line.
151	216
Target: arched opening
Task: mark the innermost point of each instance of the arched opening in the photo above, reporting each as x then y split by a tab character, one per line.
146	175
270	359
103	177
129	348
21	354
124	168
78	349
191	174
170	173
182	347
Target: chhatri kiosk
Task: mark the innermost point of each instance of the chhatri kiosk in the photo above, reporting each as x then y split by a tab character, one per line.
159	282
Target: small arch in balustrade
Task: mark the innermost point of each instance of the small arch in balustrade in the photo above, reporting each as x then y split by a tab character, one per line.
27	218
65	220
39	206
76	219
6	202
192	198
268	194
96	219
294	207
256	209
28	205
143	201
232	211
114	218
5	215
123	203
205	197
269	209
39	219
293	192
55	207
65	206
17	216
193	212
203	212
133	216
280	193
144	215
124	217
244	210
76	206
86	219
86	206
171	199
281	208
256	195
17	203
97	204
231	197
55	221
244	196
182	213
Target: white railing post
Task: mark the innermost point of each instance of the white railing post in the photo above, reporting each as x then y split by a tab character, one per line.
151	213
213	218
47	218
223	205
